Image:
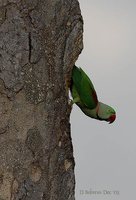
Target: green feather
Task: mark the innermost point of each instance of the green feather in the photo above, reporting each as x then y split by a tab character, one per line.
84	95
83	88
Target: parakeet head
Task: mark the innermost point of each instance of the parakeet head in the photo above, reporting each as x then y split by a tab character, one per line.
106	113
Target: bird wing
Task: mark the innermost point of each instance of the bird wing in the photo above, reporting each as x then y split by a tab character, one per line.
85	88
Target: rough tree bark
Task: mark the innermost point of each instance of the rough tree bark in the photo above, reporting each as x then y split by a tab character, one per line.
40	41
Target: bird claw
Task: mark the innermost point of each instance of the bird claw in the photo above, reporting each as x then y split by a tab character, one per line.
70	102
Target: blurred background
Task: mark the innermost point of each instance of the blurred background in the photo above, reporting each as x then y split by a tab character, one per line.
105	154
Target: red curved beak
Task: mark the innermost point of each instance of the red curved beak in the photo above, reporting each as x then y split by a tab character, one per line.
112	118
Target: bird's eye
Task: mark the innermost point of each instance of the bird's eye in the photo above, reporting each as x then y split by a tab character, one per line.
108	110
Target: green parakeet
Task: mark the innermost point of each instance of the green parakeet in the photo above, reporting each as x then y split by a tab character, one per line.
84	95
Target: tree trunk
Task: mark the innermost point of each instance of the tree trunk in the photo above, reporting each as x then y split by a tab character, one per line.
40	41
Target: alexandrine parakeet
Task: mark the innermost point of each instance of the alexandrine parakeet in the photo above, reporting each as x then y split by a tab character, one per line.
84	95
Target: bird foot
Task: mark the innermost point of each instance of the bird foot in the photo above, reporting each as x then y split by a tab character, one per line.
70	102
